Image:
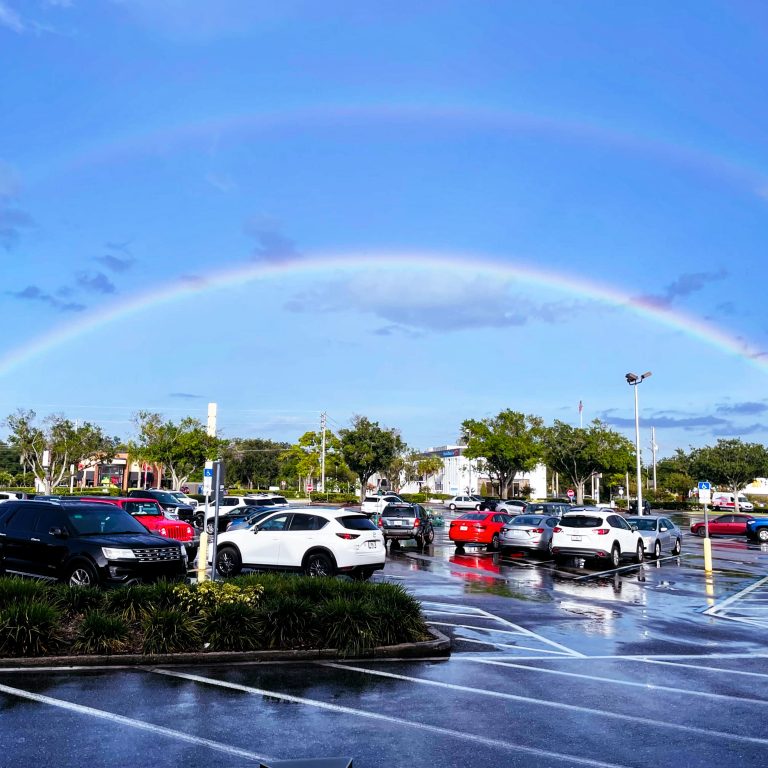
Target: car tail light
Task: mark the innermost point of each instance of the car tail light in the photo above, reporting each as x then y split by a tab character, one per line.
504	530
601	531
380	523
416	523
557	529
348	535
537	530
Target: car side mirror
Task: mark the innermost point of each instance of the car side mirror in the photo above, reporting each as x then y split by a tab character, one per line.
663	528
59	533
255	529
633	526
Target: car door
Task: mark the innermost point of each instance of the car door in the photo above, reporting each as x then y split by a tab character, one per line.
16	531
302	532
665	534
48	551
720	524
623	531
262	544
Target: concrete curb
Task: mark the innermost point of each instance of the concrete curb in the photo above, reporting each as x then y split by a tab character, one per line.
439	646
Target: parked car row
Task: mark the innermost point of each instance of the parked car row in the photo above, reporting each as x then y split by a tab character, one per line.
754	528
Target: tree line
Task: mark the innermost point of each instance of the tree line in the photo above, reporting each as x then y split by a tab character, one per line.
504	446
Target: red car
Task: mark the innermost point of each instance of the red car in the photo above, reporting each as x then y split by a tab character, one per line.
735	525
478	528
150	514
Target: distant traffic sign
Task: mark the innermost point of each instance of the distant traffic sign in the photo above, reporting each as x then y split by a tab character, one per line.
570	493
704	485
310	487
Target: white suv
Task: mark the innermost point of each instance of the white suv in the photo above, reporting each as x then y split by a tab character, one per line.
464	502
596	534
311	540
374	505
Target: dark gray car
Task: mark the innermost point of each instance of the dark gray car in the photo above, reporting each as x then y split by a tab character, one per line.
406	521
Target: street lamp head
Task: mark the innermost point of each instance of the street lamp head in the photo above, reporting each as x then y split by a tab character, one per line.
645	375
632	378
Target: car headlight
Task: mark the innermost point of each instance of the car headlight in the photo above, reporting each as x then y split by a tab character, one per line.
114	553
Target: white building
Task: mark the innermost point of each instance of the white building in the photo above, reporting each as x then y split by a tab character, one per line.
462	475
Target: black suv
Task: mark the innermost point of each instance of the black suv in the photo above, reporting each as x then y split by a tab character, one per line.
169	503
489	503
84	545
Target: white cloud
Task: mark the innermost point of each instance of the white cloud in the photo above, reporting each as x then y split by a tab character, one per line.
10	19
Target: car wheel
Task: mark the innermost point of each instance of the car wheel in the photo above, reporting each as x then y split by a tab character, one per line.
452	507
640	552
209	529
191	555
318	564
615	556
228	562
762	534
657	550
495	543
477	507
677	548
198	520
82	575
701	531
429	536
459	549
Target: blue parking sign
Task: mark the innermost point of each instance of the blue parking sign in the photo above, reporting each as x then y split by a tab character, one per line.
704	485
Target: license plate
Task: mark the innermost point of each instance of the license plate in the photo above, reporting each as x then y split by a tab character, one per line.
462	527
397	522
371	545
575	538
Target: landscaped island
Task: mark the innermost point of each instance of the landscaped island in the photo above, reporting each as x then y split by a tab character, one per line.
248	613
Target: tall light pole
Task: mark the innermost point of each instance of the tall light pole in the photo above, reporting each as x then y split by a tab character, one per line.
634	380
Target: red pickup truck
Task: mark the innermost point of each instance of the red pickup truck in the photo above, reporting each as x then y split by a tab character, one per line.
150	514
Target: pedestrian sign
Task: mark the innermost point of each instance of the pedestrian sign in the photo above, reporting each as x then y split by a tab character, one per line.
704	485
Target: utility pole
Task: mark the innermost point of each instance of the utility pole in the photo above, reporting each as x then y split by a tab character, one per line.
323	420
654	448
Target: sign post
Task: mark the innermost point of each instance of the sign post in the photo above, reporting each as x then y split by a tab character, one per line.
705	496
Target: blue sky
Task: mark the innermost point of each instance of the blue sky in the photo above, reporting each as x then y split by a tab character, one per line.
145	142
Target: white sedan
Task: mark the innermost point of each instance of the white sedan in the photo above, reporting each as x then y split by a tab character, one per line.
310	540
464	502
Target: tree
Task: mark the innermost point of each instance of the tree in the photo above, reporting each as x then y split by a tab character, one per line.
181	448
304	459
6	478
510	443
730	463
368	448
51	448
10	458
253	462
426	466
578	453
674	476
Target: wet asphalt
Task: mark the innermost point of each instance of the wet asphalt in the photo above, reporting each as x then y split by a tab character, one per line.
657	664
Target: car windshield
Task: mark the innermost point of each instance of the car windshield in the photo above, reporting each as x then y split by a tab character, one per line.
139	508
527	520
165	497
536	508
89	521
642	523
472	516
580	521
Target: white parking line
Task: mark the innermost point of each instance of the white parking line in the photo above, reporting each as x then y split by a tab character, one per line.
507	646
631	683
401	722
718	607
624	568
137	724
552	704
706	669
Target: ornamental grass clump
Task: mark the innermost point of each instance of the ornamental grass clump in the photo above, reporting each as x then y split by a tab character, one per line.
30	628
15	590
396	615
347	625
170	631
233	626
101	633
134	602
75	600
287	621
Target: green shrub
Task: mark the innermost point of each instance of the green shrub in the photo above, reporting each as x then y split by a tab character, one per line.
414	498
131	603
30	628
169	631
396	615
208	595
287	621
75	599
16	590
101	633
347	625
232	626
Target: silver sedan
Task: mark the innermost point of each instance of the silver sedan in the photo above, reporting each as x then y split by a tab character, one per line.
659	534
528	532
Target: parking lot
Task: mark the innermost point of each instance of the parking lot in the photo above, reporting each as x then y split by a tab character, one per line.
655	664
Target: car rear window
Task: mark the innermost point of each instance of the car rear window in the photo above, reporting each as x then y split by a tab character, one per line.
142	508
580	521
527	520
472	516
357	523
